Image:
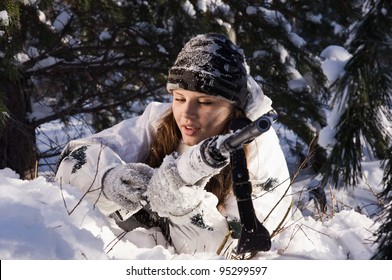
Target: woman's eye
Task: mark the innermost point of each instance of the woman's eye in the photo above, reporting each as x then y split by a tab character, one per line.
179	99
205	102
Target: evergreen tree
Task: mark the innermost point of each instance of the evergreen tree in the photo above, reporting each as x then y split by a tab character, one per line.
363	96
321	23
16	136
104	59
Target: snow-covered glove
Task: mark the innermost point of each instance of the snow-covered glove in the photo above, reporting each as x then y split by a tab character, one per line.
168	194
177	186
203	160
126	184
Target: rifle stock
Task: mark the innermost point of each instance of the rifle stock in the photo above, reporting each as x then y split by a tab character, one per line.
254	236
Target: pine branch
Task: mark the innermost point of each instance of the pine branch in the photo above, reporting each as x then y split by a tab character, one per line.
363	95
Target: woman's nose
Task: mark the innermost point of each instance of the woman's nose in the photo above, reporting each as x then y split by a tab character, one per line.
190	110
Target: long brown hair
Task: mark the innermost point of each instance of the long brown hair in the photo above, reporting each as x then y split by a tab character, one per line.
168	138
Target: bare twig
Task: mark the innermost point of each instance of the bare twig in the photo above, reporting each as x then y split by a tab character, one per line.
332	201
292	178
115	241
380	201
280	228
224	241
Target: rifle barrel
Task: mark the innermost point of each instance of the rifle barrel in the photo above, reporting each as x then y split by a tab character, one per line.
247	134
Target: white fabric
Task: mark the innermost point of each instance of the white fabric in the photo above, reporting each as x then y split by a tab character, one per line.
130	141
258	104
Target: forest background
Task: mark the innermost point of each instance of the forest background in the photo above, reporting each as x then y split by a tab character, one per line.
99	62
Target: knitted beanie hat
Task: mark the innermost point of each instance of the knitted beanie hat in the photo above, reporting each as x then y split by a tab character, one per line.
211	64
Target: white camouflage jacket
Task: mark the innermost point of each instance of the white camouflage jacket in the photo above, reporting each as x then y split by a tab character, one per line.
84	162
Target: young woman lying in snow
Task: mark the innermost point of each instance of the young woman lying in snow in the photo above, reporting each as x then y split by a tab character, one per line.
155	164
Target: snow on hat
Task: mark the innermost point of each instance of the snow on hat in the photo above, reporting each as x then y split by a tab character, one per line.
211	64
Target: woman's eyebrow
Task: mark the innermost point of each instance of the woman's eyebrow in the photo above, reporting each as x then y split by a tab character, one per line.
177	93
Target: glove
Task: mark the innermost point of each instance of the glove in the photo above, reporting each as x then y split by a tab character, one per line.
203	160
126	184
177	186
168	194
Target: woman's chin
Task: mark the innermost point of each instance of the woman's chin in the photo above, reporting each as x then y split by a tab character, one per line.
190	141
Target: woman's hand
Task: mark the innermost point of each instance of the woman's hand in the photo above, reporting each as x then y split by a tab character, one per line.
203	160
126	184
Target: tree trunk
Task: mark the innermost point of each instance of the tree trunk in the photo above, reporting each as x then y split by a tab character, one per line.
17	138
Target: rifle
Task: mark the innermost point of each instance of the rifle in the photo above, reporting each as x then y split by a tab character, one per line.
254	236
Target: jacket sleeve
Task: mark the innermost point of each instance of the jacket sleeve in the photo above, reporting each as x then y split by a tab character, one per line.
84	162
83	165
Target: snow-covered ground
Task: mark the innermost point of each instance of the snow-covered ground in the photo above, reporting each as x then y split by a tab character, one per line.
36	224
43	220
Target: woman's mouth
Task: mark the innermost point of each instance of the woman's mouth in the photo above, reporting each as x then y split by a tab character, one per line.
190	130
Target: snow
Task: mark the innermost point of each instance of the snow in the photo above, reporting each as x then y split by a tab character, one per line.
45	220
336	58
4	19
105	35
188	8
61	21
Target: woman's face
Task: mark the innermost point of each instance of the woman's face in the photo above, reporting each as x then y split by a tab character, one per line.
198	115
